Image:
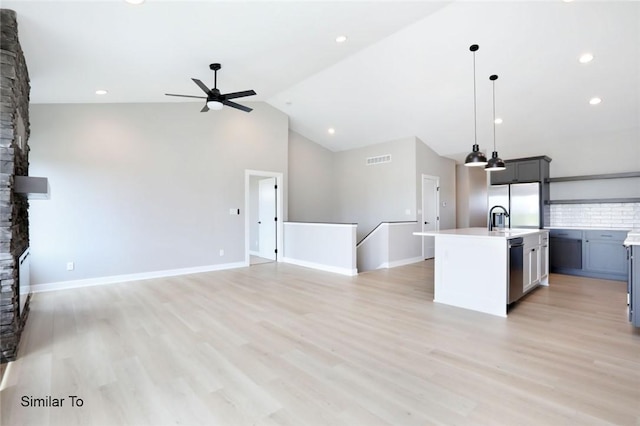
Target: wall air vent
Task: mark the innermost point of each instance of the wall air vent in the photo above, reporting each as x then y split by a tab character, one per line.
380	159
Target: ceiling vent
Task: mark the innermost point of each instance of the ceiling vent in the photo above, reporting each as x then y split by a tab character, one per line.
380	159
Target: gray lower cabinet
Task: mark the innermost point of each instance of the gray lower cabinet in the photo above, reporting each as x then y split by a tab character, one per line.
565	250
634	285
605	253
590	253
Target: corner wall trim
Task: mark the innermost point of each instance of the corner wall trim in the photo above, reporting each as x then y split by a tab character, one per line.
115	279
313	265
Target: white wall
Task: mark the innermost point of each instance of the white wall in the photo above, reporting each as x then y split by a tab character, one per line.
613	152
329	247
254	213
368	195
312	181
430	163
145	187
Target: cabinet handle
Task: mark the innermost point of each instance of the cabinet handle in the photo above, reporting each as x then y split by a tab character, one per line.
606	235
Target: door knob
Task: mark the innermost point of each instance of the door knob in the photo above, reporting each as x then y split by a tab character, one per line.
259	223
426	223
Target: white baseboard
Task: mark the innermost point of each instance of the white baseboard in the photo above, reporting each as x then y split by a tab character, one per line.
328	268
254	253
114	279
401	262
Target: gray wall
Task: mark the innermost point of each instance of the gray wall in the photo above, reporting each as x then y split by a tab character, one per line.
312	182
471	196
327	186
430	163
145	187
368	195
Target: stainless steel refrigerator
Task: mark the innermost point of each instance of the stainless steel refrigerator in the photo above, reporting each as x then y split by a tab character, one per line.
522	202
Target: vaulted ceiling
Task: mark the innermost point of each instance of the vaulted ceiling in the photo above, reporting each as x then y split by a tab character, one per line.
405	69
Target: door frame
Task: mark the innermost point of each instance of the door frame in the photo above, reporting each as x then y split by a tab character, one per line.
437	204
279	212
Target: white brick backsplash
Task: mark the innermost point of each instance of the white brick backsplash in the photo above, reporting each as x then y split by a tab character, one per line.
614	215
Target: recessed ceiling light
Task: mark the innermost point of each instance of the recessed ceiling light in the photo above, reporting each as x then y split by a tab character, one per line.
586	58
101	92
498	121
134	1
331	130
341	39
595	101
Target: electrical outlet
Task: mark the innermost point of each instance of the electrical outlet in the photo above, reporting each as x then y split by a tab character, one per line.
221	252
70	266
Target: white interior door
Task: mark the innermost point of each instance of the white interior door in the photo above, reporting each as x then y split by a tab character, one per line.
430	213
267	214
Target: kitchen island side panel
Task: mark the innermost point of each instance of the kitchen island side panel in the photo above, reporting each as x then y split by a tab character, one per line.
471	273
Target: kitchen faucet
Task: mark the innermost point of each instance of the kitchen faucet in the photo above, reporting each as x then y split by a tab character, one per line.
506	213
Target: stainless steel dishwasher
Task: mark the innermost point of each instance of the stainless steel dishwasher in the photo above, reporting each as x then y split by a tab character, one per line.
516	269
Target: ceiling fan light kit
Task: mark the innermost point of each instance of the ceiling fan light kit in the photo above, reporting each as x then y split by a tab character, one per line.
475	158
495	163
214	99
214	105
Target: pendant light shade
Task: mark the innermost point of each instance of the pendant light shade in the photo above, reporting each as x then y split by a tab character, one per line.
475	157
495	163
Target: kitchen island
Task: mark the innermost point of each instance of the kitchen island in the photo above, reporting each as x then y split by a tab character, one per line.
472	266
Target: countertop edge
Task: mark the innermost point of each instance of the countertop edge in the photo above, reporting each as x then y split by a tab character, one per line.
471	234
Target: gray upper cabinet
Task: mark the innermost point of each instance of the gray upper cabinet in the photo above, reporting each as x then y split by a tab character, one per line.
528	171
534	169
504	176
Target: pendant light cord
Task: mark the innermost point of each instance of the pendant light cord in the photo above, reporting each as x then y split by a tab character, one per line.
494	115
475	113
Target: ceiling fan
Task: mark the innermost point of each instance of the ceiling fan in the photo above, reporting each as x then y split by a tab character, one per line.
215	99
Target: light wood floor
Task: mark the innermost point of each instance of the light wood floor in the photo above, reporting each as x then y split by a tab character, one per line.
277	344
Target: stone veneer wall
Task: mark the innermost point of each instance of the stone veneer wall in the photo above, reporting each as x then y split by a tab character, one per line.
14	160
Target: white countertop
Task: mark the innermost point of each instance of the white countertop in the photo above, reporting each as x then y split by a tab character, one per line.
480	233
588	228
633	238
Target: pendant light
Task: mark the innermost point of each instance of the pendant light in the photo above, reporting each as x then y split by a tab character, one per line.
475	157
495	163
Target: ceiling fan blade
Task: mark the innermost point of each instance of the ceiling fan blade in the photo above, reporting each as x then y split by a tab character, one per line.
205	108
201	85
239	94
186	96
237	106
